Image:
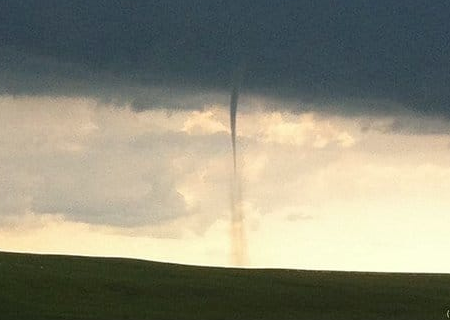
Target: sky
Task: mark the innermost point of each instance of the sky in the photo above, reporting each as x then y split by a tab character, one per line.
115	135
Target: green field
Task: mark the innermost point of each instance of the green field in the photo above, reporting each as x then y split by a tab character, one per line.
67	287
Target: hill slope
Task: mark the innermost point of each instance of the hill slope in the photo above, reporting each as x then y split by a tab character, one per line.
67	287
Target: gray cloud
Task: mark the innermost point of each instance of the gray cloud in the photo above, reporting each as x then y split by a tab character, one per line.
96	187
358	56
105	193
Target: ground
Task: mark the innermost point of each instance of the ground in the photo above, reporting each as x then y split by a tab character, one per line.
67	287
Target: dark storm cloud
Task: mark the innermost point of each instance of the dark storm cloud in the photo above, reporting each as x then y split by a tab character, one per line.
315	51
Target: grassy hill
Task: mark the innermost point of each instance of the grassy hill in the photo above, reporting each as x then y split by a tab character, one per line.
68	287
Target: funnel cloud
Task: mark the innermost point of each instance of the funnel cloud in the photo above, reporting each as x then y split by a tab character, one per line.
238	243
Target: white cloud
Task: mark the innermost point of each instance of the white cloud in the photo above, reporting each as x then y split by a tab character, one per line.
305	130
204	122
312	184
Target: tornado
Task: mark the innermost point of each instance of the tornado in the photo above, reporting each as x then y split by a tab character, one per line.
233	110
238	242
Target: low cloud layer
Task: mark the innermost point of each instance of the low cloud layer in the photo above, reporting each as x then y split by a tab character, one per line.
351	57
112	166
102	165
85	163
79	176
